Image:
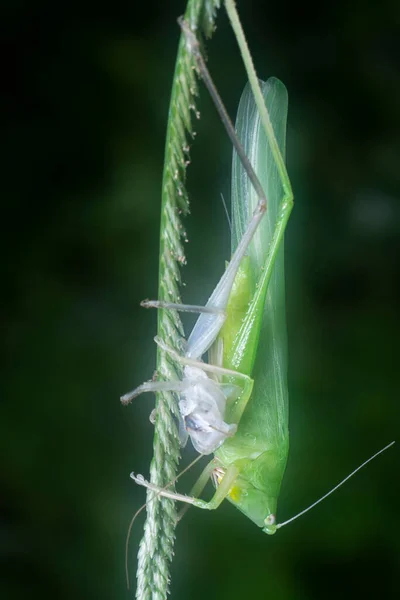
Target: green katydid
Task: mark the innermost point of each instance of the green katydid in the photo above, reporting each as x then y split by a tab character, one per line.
236	405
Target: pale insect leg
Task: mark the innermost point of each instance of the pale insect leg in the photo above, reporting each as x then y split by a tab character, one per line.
190	308
184	360
221	492
156	386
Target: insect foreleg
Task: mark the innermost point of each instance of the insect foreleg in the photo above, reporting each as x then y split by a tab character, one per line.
156	386
221	492
190	308
139	479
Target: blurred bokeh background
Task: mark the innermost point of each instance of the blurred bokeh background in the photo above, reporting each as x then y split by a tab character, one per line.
85	100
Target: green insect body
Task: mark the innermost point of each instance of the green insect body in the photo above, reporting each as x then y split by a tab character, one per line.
236	405
254	334
240	410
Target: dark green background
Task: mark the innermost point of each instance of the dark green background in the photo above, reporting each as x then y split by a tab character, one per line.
85	99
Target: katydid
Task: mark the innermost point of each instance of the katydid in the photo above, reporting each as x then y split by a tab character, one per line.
248	467
236	405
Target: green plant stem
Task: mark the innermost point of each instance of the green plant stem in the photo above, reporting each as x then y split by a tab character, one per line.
156	547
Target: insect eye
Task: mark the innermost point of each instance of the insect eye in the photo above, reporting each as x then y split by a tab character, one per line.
191	424
270	520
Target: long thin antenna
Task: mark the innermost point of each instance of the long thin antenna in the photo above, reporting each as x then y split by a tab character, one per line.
226	212
137	513
335	488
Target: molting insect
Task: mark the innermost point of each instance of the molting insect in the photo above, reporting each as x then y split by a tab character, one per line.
236	405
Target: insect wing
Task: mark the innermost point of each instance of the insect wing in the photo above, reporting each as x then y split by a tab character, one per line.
270	394
257	149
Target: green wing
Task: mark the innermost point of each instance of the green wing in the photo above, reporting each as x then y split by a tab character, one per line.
267	412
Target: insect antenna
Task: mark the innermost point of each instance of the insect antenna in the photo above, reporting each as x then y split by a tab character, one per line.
279	525
137	513
226	212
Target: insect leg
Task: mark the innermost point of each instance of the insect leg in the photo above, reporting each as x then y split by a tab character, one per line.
200	484
194	47
259	100
190	308
221	492
155	386
184	360
140	480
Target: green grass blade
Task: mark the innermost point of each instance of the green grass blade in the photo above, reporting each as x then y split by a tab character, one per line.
156	547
